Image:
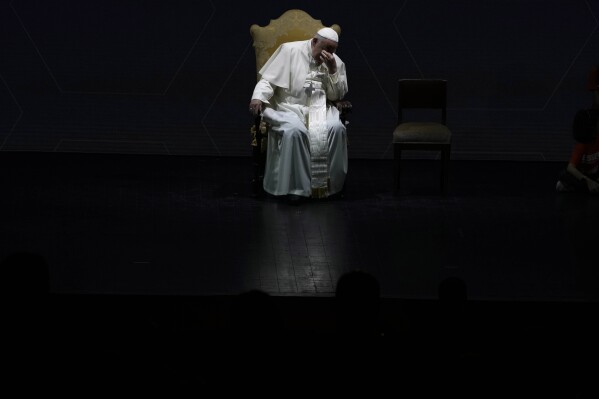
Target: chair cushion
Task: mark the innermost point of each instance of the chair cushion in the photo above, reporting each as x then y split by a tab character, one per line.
421	132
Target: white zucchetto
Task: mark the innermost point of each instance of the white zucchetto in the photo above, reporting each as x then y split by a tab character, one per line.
329	33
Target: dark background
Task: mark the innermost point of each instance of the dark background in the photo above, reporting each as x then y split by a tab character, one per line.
175	77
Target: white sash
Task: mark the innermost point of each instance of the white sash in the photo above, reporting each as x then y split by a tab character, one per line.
317	127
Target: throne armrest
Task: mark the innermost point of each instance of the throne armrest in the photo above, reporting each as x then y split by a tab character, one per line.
344	107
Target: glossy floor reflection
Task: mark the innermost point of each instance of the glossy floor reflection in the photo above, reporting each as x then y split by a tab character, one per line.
147	224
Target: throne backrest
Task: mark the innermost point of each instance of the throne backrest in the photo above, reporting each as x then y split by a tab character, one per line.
291	26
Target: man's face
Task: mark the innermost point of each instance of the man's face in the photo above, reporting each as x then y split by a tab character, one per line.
318	45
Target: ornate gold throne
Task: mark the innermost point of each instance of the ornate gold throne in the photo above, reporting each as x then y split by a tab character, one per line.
292	25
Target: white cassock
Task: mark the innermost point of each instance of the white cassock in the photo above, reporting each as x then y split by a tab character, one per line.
307	143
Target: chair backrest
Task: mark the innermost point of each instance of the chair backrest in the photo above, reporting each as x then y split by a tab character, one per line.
292	25
422	93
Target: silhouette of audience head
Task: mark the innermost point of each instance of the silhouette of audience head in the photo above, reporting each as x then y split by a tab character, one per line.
25	274
453	295
25	285
453	290
254	313
357	304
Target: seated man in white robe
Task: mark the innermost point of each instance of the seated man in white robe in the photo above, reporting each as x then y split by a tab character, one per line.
307	143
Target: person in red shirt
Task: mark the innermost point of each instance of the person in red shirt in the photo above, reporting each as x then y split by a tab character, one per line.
582	172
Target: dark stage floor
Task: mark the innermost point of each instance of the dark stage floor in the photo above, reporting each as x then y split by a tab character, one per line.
147	253
135	224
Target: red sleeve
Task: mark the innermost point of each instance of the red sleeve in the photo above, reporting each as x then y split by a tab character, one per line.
594	79
577	154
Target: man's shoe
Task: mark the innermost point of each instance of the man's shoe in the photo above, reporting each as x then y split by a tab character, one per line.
294	199
337	196
562	188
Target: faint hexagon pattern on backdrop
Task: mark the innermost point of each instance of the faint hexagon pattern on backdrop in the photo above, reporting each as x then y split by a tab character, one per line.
517	49
113	46
11	112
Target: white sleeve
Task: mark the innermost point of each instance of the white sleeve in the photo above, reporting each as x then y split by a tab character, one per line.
336	84
263	91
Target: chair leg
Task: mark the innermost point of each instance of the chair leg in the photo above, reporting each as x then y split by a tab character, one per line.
258	172
445	169
396	166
